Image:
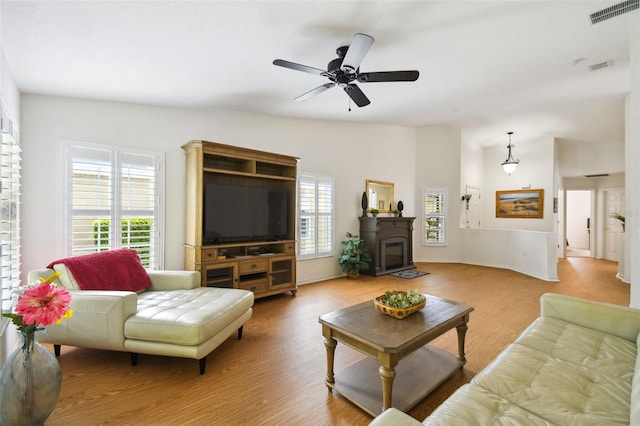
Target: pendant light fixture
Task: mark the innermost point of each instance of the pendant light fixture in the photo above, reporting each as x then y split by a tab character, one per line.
509	165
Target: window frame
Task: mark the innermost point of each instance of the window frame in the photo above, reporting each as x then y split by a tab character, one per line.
315	217
441	216
117	157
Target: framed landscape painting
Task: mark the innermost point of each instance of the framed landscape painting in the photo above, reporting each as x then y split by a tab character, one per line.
522	203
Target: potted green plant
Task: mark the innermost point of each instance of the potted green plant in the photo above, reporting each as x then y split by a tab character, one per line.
374	212
396	212
354	257
619	217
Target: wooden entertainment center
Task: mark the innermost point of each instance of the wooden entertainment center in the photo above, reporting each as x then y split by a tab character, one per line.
266	266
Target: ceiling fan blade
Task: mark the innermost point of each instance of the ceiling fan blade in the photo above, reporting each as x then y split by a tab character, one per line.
355	54
313	92
374	77
298	67
356	95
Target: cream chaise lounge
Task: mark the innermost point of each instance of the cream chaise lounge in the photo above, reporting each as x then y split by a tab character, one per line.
168	314
577	364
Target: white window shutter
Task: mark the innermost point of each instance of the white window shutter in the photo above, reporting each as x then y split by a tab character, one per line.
116	201
10	198
315	215
434	217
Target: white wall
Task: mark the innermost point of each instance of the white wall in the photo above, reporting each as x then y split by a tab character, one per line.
529	252
472	174
351	153
471	163
9	90
437	161
535	171
578	158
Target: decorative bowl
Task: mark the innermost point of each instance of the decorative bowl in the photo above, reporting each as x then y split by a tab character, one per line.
399	313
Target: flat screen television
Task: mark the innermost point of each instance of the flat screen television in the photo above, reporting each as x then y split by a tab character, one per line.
235	213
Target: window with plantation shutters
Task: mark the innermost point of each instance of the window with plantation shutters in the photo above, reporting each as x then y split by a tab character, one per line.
315	215
109	186
10	204
434	217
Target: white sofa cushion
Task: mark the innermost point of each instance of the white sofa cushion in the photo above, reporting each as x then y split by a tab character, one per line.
566	374
588	347
186	317
173	280
395	417
473	405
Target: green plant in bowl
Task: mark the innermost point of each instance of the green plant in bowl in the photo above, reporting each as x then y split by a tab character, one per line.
402	299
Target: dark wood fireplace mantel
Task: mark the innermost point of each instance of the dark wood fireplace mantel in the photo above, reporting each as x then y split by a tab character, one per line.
390	242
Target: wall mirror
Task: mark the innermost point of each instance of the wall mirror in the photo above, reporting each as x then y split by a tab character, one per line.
380	196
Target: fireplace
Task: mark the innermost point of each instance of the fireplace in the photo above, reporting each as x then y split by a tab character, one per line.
389	240
393	253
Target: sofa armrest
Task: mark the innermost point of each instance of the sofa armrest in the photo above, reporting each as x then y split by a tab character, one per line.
394	417
35	275
613	319
97	321
173	280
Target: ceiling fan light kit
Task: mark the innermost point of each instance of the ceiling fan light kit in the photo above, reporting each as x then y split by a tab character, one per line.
345	70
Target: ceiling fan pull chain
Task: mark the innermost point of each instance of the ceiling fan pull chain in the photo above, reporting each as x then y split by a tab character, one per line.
349	104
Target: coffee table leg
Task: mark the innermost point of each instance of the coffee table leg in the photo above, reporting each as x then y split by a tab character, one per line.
387	375
462	332
330	345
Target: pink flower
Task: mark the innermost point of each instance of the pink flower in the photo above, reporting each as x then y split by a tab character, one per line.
44	304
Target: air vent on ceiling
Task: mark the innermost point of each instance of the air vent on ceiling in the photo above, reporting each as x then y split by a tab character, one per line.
613	11
600	175
601	65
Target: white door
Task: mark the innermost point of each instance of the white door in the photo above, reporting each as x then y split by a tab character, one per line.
613	203
578	222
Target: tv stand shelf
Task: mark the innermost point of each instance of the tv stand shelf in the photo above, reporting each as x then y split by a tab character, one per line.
264	267
229	172
247	250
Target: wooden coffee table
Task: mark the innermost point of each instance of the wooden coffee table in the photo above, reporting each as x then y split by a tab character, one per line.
386	341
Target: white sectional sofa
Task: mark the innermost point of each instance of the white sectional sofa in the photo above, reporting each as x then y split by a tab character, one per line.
577	364
174	316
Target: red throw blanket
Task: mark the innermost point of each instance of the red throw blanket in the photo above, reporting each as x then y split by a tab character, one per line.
107	270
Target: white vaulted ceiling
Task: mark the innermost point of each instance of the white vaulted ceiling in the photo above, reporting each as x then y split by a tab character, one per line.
490	66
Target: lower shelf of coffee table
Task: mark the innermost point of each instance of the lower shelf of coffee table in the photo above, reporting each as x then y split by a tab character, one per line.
417	375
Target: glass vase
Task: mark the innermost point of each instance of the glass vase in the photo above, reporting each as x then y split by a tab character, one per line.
30	382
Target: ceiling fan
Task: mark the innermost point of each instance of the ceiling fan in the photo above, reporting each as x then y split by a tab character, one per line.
345	70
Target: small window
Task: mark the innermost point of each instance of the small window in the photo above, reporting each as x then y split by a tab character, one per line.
434	217
315	216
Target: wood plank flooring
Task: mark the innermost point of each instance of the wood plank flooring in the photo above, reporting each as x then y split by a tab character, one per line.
275	374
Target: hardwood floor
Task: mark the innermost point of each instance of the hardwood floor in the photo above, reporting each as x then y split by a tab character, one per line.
275	374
